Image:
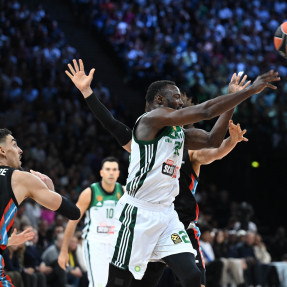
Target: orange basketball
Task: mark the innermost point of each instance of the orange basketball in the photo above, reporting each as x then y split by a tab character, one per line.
280	40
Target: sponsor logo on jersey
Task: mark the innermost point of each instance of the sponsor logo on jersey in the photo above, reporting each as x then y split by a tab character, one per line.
118	195
175	238
168	168
99	198
104	228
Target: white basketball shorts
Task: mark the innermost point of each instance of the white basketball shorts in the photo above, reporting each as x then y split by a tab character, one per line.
146	232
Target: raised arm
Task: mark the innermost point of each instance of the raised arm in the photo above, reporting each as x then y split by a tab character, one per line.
117	129
197	139
164	116
83	204
25	184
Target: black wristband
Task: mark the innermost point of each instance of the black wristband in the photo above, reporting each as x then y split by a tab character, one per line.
117	129
69	209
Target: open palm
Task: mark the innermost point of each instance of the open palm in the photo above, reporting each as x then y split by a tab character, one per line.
236	84
78	76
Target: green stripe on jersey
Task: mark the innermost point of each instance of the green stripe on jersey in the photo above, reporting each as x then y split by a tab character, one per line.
147	160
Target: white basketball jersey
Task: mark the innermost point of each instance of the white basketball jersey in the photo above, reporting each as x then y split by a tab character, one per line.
154	166
99	221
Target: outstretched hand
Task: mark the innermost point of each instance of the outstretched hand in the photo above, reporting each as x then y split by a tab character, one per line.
236	134
18	239
236	84
79	78
263	81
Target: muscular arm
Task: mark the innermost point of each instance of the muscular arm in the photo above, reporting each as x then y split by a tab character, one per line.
198	139
117	129
161	117
83	204
25	184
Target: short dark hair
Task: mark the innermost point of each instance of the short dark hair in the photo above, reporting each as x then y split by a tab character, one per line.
110	159
155	88
3	134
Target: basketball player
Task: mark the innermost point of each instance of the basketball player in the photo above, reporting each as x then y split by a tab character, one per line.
16	185
185	203
98	202
148	226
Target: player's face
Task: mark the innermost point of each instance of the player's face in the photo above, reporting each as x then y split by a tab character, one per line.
110	172
12	152
173	97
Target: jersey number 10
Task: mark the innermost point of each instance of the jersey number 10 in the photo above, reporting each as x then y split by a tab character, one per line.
110	212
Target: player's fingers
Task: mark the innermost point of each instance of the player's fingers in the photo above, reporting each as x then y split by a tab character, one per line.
245	139
247	84
271	86
237	79
233	77
76	65
243	80
27	230
14	231
275	79
81	65
91	74
69	75
71	69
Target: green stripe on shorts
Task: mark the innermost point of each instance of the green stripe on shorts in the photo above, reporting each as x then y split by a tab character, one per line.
123	248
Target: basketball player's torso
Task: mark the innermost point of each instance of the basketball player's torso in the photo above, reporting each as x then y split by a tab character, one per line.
154	166
99	216
8	205
185	203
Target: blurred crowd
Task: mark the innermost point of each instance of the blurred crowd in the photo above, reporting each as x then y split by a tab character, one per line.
199	44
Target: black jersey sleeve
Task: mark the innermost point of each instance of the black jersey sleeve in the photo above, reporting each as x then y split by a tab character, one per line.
117	129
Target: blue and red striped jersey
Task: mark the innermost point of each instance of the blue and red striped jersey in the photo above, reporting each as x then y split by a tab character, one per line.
185	203
8	205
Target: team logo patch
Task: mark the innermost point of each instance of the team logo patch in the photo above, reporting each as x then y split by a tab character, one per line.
99	198
175	238
137	268
118	195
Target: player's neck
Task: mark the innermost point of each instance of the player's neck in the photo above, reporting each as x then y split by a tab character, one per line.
3	163
108	187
